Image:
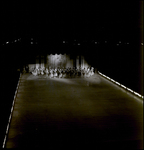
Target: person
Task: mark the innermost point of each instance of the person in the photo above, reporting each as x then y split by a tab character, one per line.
60	73
42	71
92	71
88	72
51	73
46	72
55	73
38	71
34	72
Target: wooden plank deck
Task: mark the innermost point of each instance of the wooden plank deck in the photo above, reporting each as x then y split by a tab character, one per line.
77	112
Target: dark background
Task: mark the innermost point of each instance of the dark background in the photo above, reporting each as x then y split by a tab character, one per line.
51	23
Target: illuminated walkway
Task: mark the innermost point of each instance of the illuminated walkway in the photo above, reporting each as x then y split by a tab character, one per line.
75	113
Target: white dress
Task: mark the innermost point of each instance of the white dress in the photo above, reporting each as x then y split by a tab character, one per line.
42	72
46	71
60	75
51	73
34	72
55	73
38	71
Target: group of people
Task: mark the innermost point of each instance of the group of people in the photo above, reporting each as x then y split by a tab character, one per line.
64	72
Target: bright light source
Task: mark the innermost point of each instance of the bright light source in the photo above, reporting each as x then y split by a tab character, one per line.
78	43
129	90
136	93
31	42
7	128
7	42
112	80
123	86
141	43
117	83
63	41
139	95
15	41
108	78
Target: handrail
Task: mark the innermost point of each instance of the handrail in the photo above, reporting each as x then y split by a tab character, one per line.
12	108
121	85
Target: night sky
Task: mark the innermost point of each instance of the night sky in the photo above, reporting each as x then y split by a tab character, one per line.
57	20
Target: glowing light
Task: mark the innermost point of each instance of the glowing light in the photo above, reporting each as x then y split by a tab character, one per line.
117	83
141	43
13	102
11	109
78	43
112	80
31	42
123	86
138	94
135	93
4	141
7	42
10	118
15	41
63	41
129	90
7	128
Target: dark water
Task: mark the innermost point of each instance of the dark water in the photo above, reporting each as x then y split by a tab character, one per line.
9	84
